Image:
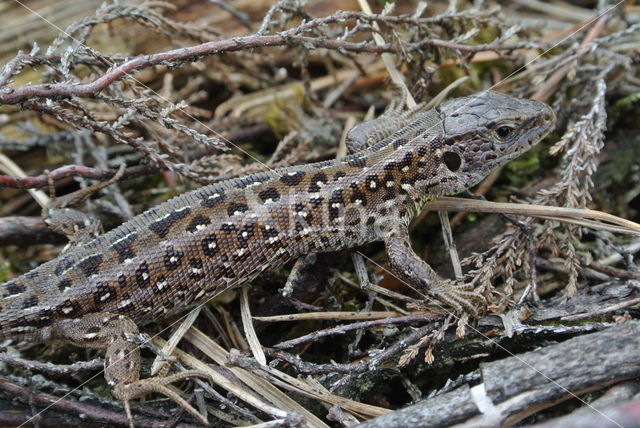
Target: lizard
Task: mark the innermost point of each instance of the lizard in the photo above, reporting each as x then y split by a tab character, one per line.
187	250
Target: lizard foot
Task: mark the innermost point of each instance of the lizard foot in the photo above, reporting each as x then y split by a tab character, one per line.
122	360
140	388
460	297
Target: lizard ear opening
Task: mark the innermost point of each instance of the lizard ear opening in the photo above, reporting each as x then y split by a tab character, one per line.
452	161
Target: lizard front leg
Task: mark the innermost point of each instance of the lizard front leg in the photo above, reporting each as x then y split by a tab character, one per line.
408	266
78	227
122	361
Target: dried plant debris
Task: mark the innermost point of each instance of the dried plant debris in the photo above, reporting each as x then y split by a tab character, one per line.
188	93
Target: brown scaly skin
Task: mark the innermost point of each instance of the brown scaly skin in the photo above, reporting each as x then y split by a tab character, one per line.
192	247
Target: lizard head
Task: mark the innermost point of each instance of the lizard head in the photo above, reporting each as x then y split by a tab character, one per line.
483	132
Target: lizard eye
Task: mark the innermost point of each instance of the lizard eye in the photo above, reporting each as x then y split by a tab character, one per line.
504	131
452	160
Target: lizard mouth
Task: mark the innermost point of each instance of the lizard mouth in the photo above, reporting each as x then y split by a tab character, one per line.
546	123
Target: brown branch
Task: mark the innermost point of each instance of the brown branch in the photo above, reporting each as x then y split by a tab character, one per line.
40	181
27	231
611	271
57	369
290	37
192	53
342	329
351	369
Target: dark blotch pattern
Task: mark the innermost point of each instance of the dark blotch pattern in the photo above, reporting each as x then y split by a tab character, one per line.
268	232
298	228
143	279
250	180
224	272
338	175
292	178
128	307
357	195
245	233
161	285
270	194
163	226
90	265
123	247
405	180
318	180
122	281
228	227
13	288
210	245
400	142
196	272
64	284
68	309
63	265
40	320
30	302
197	221
235	208
372	183
104	294
172	258
406	161
389	166
357	161
316	201
210	196
336	204
390	193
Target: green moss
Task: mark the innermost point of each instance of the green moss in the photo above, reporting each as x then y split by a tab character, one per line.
519	170
485	35
5	271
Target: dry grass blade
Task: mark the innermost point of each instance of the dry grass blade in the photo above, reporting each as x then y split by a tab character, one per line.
9	167
567	11
310	390
159	365
260	386
267	389
387	59
256	102
583	217
249	331
334	316
266	397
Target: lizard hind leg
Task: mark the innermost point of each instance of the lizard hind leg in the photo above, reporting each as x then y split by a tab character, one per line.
139	388
122	360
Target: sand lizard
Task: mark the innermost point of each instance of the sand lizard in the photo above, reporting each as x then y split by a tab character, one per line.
199	244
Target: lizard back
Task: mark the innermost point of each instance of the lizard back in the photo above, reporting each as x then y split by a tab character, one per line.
196	245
